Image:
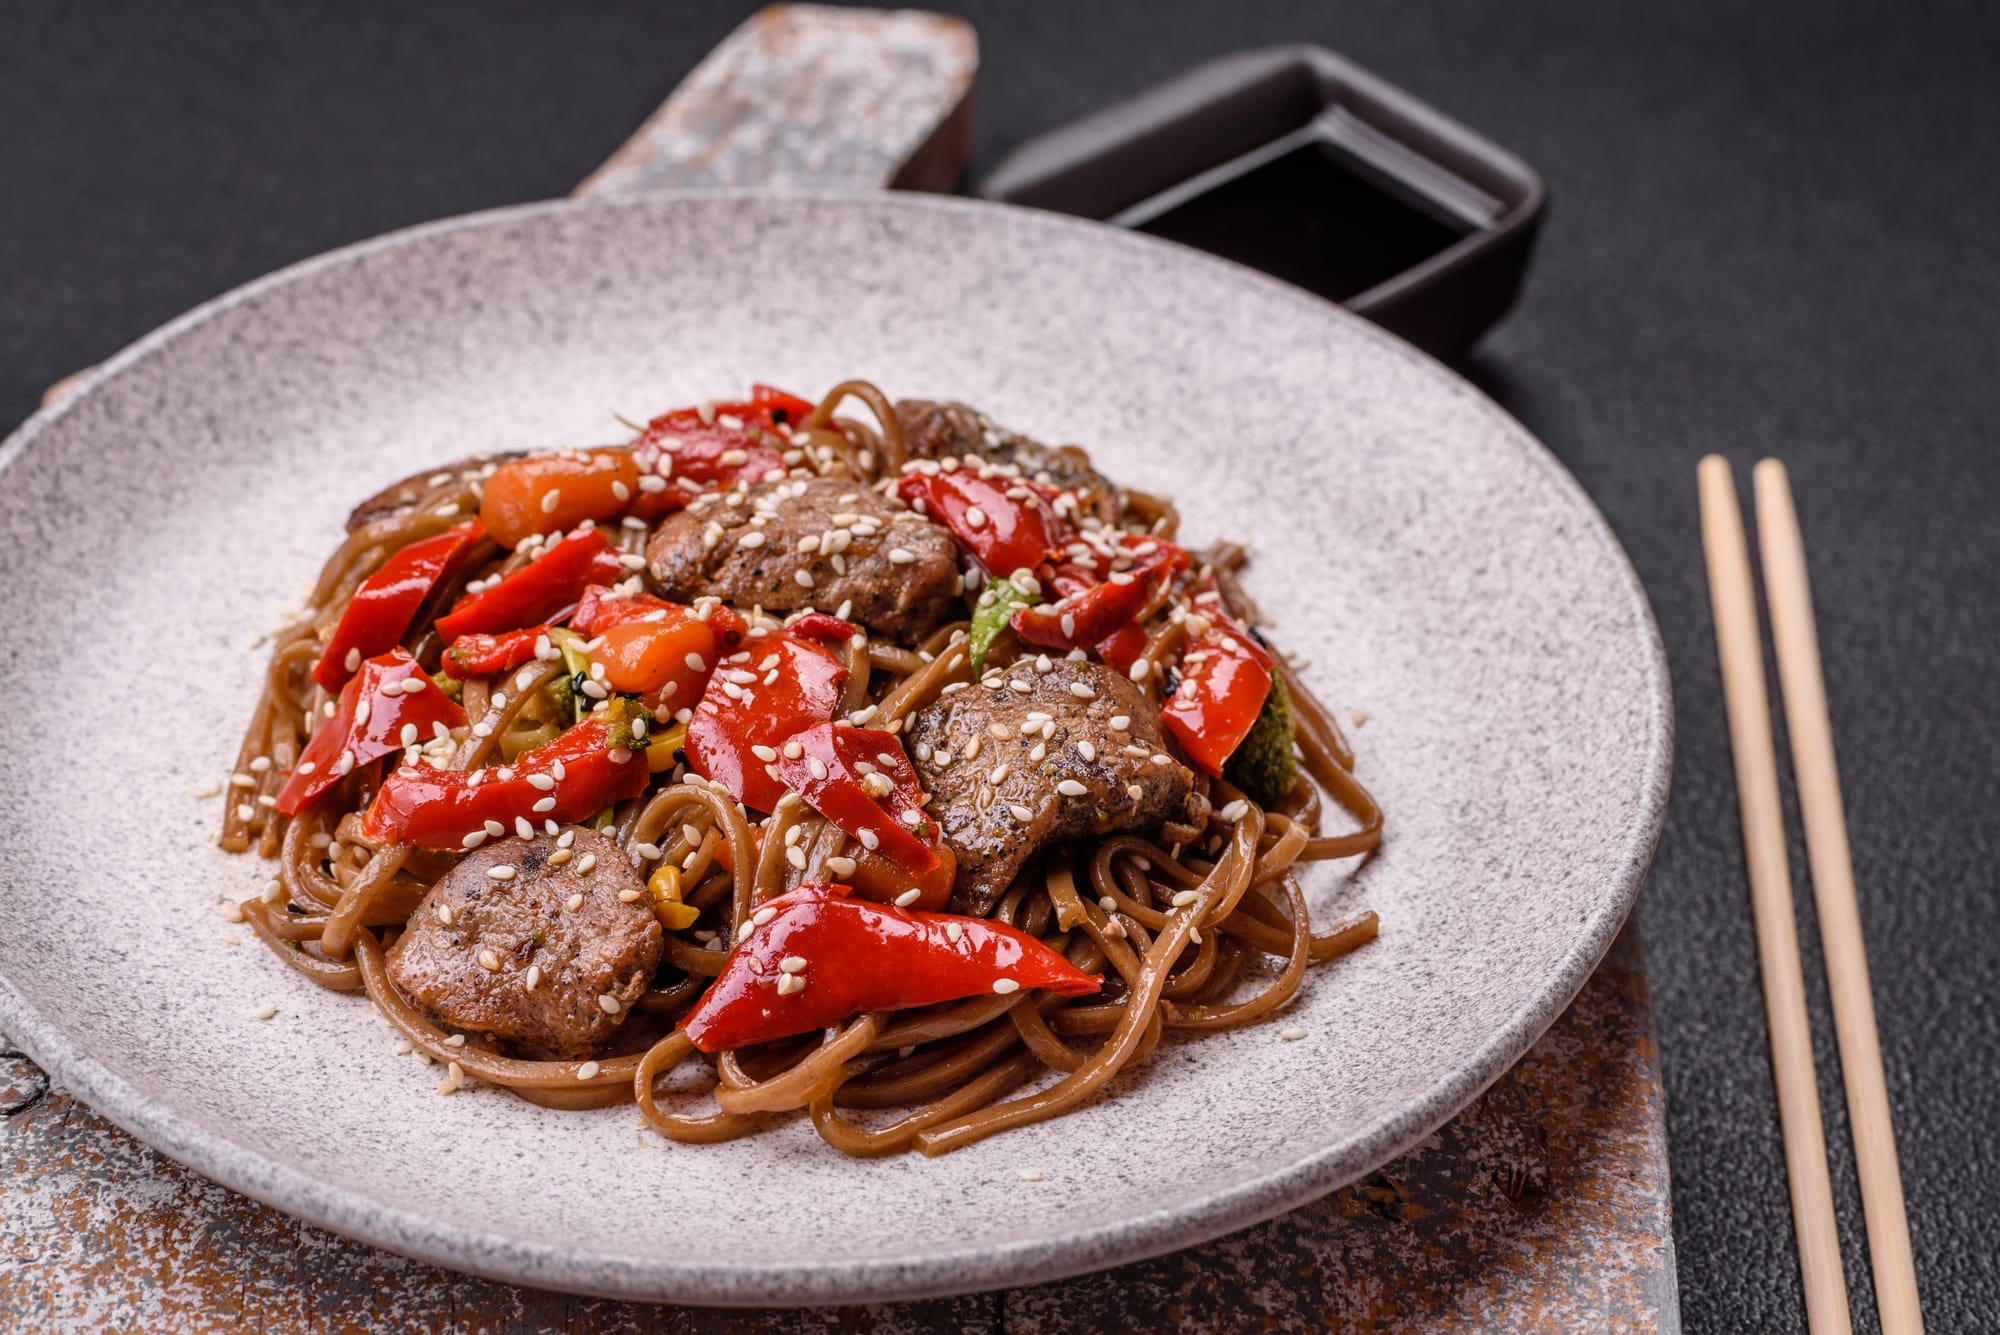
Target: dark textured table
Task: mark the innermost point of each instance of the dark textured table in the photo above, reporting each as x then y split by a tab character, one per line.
1773	233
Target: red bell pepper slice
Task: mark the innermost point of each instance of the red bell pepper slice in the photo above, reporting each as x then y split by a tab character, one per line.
820	626
785	686
367	724
834	770
546	589
1007	533
379	613
859	957
1122	647
696	453
451	809
1093	607
484	655
1225	675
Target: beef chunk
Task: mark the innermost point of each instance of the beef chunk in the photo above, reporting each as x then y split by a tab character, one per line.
1003	764
469	923
936	430
402	495
896	568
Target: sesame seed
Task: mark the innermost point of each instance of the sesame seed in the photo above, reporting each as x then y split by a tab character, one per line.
1082	691
609	1004
494	828
353	660
816	766
489	961
796	856
790	983
586	864
574	902
1021	813
1120	722
1031	1174
1087	750
266	1011
629	896
908	897
1006	986
455	1041
534	977
1141	669
546	804
1184	898
567	837
588	1071
545	782
1135	792
792	963
502	872
901	556
697	663
763	916
1040	752
1071	788
524	827
869	840
952	932
839	866
999	774
1235	811
754	538
244	811
1019	685
974	517
444	914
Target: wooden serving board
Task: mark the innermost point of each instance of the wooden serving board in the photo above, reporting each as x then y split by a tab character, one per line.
1543	1207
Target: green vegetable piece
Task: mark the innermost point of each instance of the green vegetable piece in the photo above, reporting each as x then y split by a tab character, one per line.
990	618
449	684
1266	765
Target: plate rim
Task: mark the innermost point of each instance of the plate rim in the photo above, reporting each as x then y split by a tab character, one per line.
1047	1257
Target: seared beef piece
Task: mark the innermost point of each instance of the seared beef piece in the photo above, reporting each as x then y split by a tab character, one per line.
602	948
935	430
897	568
401	495
996	789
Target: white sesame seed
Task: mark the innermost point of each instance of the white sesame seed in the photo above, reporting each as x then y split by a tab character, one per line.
409	734
796	856
455	1041
790	983
444	914
586	864
908	897
953	931
630	896
697	663
754	538
533	978
524	827
1006	986
244	811
546	804
567	837
839	866
792	963
1184	898
1031	1174
551	501
609	1004
503	872
494	828
974	517
1087	750
763	916
266	1011
1141	669
1019	685
574	902
545	782
816	766
999	774
1021	813
1071	788
869	840
1235	811
1135	792
901	556
489	961
1082	691
1120	722
353	660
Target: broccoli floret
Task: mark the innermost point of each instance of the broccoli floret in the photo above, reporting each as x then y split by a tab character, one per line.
1266	765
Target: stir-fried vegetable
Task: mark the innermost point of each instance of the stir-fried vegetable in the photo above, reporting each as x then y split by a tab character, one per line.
552	492
485	655
817	956
1094	603
751	709
859	779
379	613
546	589
570	779
997	604
1225	676
388	705
1008	524
1266	764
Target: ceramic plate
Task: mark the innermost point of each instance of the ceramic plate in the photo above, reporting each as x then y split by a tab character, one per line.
1438	567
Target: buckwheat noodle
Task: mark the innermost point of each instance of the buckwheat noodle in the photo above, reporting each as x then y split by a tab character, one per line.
934	1078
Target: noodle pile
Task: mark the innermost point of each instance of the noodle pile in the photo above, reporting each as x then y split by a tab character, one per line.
933	1078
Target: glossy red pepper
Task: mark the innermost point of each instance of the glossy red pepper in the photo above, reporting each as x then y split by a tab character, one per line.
697	452
380	612
484	655
860	957
833	771
819	626
1122	647
442	809
1092	605
368	724
786	685
546	589
1225	675
1006	532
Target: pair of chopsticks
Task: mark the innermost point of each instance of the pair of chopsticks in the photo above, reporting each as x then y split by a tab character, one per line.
1803	684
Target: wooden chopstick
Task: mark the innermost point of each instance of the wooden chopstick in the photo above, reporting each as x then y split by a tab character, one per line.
1740	648
1803	684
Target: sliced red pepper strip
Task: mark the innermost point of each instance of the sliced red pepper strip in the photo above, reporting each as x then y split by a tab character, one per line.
379	614
697	451
1225	675
737	716
484	655
832	772
545	589
820	626
1007	533
438	808
861	957
355	737
1122	647
1089	611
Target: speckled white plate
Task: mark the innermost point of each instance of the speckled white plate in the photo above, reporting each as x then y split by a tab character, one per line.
1440	569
